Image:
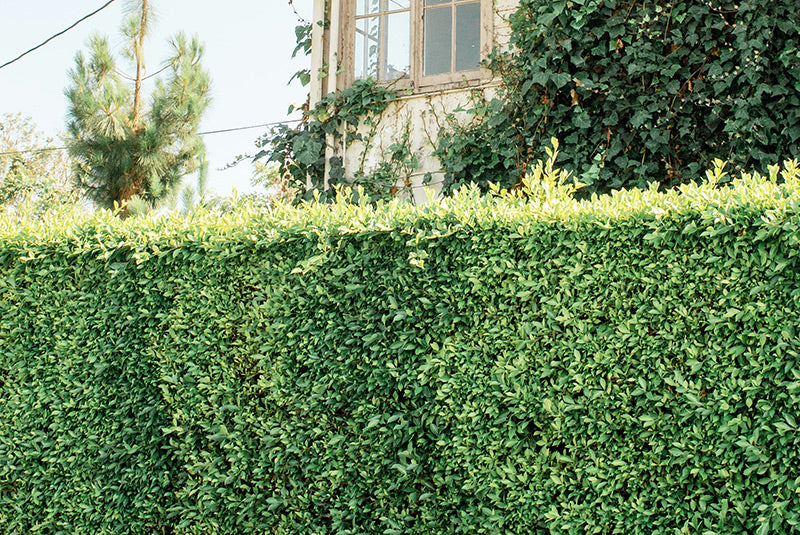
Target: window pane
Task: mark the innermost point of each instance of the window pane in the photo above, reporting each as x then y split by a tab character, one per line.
436	2
398	49
394	5
438	40
468	36
366	56
367	7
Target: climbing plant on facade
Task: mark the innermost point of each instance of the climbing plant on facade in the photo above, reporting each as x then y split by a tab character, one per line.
638	91
301	150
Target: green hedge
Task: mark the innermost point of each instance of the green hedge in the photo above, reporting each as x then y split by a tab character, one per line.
483	365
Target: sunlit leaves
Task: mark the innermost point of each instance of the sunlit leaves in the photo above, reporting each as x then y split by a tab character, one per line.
514	363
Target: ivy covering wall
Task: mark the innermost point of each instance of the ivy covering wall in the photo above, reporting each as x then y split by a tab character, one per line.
637	92
487	364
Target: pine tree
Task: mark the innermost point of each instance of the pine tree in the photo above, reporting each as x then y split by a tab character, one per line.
122	151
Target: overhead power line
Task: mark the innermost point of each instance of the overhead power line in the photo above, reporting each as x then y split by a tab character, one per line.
248	127
96	11
31	151
132	79
206	133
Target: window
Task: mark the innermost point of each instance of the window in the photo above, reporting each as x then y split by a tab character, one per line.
382	39
452	36
422	43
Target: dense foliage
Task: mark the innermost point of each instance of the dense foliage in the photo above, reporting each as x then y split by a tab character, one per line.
639	91
497	364
32	180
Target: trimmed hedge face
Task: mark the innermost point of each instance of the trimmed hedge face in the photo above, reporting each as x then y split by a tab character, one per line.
489	366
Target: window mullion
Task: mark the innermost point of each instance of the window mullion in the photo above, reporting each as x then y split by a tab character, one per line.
391	17
453	31
384	40
415	50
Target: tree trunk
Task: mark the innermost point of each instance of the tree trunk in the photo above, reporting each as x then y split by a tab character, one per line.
139	51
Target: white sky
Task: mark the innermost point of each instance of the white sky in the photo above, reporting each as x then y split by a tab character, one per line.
248	44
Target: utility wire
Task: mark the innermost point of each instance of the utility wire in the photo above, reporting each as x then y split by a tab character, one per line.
30	151
132	79
96	11
249	127
159	71
207	133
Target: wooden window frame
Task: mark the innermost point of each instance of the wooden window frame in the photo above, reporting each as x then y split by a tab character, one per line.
416	81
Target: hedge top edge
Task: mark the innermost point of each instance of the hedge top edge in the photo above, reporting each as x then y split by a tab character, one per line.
546	197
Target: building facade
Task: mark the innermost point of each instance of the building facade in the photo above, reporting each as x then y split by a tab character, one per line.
430	50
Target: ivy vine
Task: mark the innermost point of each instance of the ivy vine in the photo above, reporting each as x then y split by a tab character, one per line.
637	91
301	150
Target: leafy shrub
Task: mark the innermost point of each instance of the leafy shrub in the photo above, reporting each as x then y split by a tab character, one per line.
517	363
639	91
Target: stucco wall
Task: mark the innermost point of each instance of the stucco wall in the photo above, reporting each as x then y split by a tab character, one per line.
421	117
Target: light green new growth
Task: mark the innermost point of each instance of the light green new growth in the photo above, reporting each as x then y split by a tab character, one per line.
512	363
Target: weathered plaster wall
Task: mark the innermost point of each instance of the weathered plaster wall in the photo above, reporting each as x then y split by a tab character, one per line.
418	118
